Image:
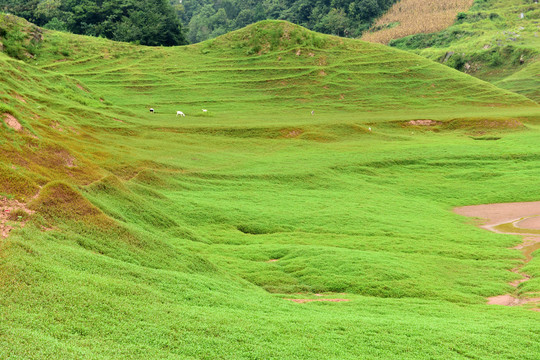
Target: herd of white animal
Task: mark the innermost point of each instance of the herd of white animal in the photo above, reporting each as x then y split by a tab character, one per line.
179	113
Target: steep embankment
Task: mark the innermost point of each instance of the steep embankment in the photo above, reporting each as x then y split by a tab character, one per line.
161	237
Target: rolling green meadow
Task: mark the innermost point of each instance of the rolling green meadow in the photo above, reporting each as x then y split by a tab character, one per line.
162	237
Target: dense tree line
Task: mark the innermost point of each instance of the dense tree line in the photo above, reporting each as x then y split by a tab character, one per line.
204	19
148	22
157	22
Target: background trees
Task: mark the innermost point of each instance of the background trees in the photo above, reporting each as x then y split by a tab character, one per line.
157	22
148	22
208	18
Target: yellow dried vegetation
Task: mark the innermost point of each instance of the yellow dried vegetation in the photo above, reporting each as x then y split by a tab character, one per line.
415	16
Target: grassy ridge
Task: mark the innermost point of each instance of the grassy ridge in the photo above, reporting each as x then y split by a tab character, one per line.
156	243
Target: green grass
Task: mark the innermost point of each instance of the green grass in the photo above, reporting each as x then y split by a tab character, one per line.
491	42
152	233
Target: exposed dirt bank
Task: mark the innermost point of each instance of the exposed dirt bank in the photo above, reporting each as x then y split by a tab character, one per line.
516	219
13	214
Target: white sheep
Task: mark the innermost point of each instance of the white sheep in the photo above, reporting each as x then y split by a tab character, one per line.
204	110
180	113
152	110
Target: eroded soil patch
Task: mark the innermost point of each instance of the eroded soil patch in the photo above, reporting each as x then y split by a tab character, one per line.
425	122
12	122
13	214
515	219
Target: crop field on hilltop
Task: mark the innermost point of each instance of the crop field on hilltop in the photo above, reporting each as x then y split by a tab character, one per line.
408	17
491	41
307	214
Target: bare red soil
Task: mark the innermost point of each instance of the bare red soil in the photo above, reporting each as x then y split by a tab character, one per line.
8	215
521	216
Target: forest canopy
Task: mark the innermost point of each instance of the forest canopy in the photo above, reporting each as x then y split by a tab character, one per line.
146	22
158	22
205	19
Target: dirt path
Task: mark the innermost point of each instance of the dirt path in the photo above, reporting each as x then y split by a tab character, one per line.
516	219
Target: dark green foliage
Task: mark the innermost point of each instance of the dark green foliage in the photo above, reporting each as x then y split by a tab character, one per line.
150	22
20	40
207	19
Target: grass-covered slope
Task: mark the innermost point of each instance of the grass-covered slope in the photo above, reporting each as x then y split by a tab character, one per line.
156	236
490	41
268	64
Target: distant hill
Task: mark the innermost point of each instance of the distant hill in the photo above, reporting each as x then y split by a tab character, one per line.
495	40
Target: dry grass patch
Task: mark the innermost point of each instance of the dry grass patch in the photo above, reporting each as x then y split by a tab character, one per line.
415	16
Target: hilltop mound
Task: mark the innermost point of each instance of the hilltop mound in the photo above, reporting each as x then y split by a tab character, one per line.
272	35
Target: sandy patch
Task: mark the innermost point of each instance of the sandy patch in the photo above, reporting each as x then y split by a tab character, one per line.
529	223
494	214
510	300
82	88
12	122
291	133
511	218
425	122
272	260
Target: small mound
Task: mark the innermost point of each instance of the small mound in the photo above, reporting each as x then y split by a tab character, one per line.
12	122
59	200
272	35
484	124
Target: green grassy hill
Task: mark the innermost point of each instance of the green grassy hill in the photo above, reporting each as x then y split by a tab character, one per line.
156	236
490	41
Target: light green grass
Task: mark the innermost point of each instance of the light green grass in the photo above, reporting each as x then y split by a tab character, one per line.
158	239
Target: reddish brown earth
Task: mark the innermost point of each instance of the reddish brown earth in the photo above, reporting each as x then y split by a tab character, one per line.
8	218
12	122
521	217
421	122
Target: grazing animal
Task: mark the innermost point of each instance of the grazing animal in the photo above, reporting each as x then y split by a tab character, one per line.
312	112
204	110
369	128
152	110
180	113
